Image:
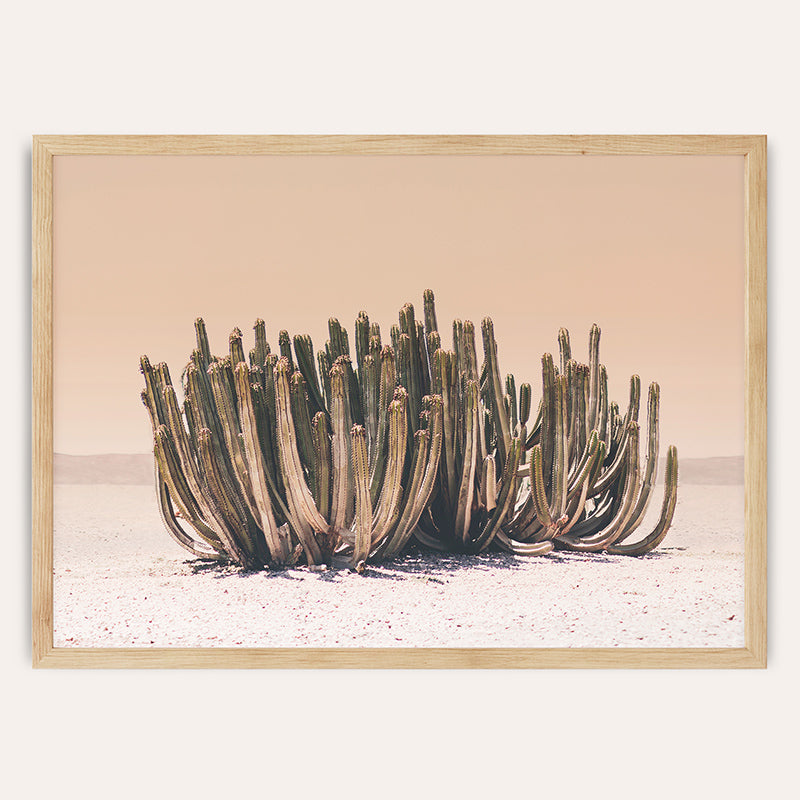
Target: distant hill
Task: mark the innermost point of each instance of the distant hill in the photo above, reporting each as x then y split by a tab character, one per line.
720	471
137	469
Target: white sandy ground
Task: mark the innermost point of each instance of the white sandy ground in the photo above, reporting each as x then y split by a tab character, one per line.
120	581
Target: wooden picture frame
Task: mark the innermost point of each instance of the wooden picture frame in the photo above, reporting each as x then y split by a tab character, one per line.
753	149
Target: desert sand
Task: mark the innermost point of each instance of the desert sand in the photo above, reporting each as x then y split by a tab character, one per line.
120	581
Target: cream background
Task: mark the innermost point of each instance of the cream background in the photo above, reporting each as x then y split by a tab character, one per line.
619	67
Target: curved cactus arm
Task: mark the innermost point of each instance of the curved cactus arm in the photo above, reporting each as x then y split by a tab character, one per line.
448	465
601	424
191	422
651	541
304	355
429	304
434	343
162	375
609	534
413	384
596	472
285	347
226	495
269	386
614	426
325	364
523	520
322	474
609	476
423	361
547	436
585	468
511	393
560	453
377	456
555	440
632	414
304	532
582	429
388	507
522	548
564	349
342	490
277	545
421	497
375	346
188	463
200	395
151	412
169	467
370	381
353	390
651	465
272	471
202	342
404	359
594	376
261	349
499	415
362	522
236	347
489	484
229	422
535	435
302	423
297	491
153	389
429	541
466	489
339	344
524	404
538	491
382	539
573	514
597	449
197	549
266	431
601	513
470	353
505	499
458	344
572	376
576	473
362	342
219	494
169	470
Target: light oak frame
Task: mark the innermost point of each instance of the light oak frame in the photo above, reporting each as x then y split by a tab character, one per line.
754	654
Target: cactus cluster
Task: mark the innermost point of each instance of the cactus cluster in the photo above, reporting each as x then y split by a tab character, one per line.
285	457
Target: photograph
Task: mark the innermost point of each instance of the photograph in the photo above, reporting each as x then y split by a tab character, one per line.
446	397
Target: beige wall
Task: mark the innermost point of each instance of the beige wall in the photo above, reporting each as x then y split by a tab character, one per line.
650	248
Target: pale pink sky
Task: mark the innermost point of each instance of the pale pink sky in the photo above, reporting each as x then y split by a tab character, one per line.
651	248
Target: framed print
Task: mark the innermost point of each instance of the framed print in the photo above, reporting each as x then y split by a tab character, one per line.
399	401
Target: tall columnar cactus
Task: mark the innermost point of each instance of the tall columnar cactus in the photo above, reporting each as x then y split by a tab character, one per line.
478	474
258	480
280	456
585	489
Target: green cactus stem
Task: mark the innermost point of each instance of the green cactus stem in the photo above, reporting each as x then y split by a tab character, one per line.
295	453
656	536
